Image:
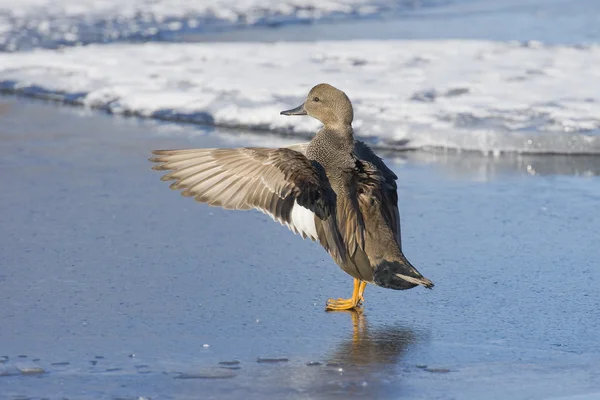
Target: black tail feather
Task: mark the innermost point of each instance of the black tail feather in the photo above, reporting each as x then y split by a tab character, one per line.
399	275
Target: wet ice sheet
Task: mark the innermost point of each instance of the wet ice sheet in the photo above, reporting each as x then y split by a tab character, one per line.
118	287
466	95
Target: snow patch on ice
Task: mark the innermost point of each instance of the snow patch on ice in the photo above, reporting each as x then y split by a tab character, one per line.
463	95
27	24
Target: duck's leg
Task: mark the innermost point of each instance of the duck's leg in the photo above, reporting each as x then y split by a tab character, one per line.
348	304
361	292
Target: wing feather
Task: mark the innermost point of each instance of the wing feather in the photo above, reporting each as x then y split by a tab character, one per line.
273	181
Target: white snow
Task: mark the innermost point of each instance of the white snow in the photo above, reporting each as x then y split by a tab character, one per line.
33	23
474	95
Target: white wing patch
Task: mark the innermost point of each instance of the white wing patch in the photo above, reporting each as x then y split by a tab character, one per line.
302	221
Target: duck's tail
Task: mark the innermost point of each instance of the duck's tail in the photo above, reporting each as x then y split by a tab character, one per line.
400	275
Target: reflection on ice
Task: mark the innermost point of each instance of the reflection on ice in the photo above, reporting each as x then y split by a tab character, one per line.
364	365
372	347
474	166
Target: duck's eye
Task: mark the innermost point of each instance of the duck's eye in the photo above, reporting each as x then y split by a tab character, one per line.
316	99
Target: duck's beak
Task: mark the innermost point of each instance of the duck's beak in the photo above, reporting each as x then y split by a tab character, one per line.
295	111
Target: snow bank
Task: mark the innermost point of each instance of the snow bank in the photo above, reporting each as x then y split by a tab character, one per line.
465	95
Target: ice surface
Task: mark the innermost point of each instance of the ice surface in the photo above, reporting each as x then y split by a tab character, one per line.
100	260
455	94
33	23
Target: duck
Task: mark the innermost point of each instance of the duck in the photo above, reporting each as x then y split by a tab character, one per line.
333	190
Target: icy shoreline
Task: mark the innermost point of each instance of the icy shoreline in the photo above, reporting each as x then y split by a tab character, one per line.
40	23
463	95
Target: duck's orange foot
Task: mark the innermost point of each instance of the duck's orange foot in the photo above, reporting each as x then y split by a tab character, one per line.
352	303
341	304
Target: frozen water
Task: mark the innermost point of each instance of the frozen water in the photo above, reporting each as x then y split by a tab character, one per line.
100	261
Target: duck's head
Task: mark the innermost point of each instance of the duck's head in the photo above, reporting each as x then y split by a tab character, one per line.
329	105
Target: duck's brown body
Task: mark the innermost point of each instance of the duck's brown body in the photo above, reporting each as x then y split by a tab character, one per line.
333	189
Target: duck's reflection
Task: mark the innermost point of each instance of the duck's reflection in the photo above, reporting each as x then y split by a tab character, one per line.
365	365
381	346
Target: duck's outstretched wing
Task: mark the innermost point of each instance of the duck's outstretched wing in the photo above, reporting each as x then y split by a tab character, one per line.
299	147
282	183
